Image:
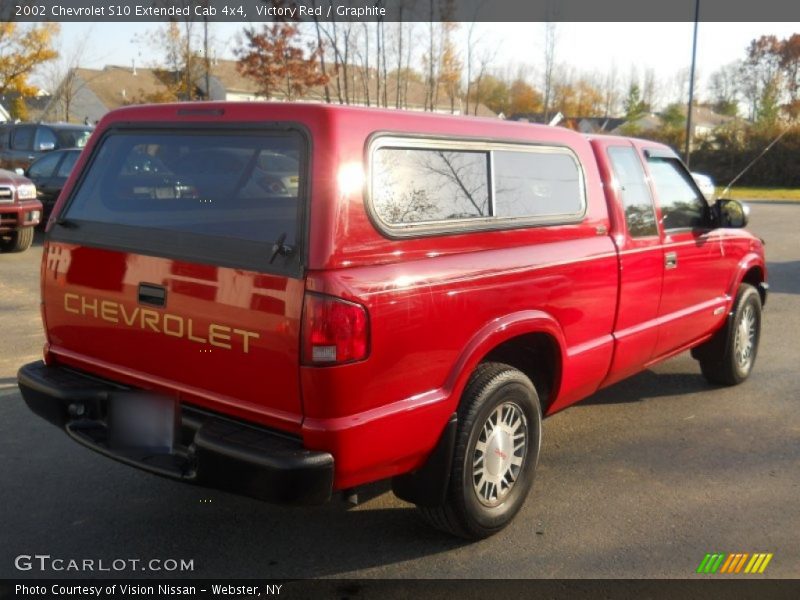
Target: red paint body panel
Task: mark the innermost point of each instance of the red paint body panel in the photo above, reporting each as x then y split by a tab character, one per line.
187	365
437	305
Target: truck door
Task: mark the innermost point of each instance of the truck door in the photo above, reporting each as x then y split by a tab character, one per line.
640	256
695	274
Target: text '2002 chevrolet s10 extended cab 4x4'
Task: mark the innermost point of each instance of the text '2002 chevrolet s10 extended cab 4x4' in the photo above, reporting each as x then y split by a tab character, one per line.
290	300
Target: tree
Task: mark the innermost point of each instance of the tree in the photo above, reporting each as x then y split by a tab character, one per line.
275	59
577	97
321	54
724	87
610	92
769	105
180	66
22	49
492	92
476	86
649	88
790	64
62	78
18	109
523	98
430	60
550	40
761	73
674	116
634	105
450	65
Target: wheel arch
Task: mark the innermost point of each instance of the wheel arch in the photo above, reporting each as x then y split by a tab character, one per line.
507	339
531	341
751	270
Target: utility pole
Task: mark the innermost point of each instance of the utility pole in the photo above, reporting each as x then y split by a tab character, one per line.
688	150
207	59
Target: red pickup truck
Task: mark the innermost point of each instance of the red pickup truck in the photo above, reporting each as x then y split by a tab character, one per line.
290	300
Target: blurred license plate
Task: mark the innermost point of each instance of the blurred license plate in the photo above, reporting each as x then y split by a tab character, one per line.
143	421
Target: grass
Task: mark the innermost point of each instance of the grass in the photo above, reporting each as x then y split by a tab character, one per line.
759	193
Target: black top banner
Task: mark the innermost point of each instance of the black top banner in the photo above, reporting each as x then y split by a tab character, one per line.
254	11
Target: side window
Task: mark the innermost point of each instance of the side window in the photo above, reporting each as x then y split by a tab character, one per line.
682	204
45	166
640	216
533	184
412	185
23	137
45	135
65	168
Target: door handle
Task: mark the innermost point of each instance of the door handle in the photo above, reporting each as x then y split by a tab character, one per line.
671	260
153	295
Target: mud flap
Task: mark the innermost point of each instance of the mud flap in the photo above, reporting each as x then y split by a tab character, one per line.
427	486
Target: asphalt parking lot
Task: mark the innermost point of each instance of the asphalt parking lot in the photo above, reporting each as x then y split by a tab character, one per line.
641	480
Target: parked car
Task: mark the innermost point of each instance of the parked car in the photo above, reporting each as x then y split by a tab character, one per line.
49	173
706	185
435	286
20	212
23	143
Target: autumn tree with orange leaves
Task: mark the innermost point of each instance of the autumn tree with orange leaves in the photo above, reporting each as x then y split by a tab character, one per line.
22	49
278	61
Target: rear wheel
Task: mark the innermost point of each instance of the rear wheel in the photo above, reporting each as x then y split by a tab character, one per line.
730	359
18	241
497	448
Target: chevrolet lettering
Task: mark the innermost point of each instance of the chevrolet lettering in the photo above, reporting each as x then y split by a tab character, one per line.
288	301
220	336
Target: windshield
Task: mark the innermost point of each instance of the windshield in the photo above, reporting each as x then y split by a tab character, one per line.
73	138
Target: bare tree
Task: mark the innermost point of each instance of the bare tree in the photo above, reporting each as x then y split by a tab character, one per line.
724	86
399	73
63	80
485	59
410	46
611	91
365	74
431	82
649	88
321	54
550	41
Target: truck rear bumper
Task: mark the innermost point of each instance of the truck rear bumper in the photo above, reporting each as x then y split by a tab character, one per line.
209	450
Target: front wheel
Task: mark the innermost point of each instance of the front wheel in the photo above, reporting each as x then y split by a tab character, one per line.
731	360
497	448
19	240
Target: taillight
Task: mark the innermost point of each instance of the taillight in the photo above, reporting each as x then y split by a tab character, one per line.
335	331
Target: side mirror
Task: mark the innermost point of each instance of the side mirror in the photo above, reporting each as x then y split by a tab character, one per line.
732	213
19	171
46	146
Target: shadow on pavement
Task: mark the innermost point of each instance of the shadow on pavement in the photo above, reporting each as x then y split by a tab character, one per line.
649	384
784	277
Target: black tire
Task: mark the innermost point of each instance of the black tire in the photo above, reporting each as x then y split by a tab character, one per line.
18	241
499	391
729	359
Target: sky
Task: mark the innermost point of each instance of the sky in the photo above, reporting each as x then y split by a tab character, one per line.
587	47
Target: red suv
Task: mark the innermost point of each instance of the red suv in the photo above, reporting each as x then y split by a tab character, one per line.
290	300
20	212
